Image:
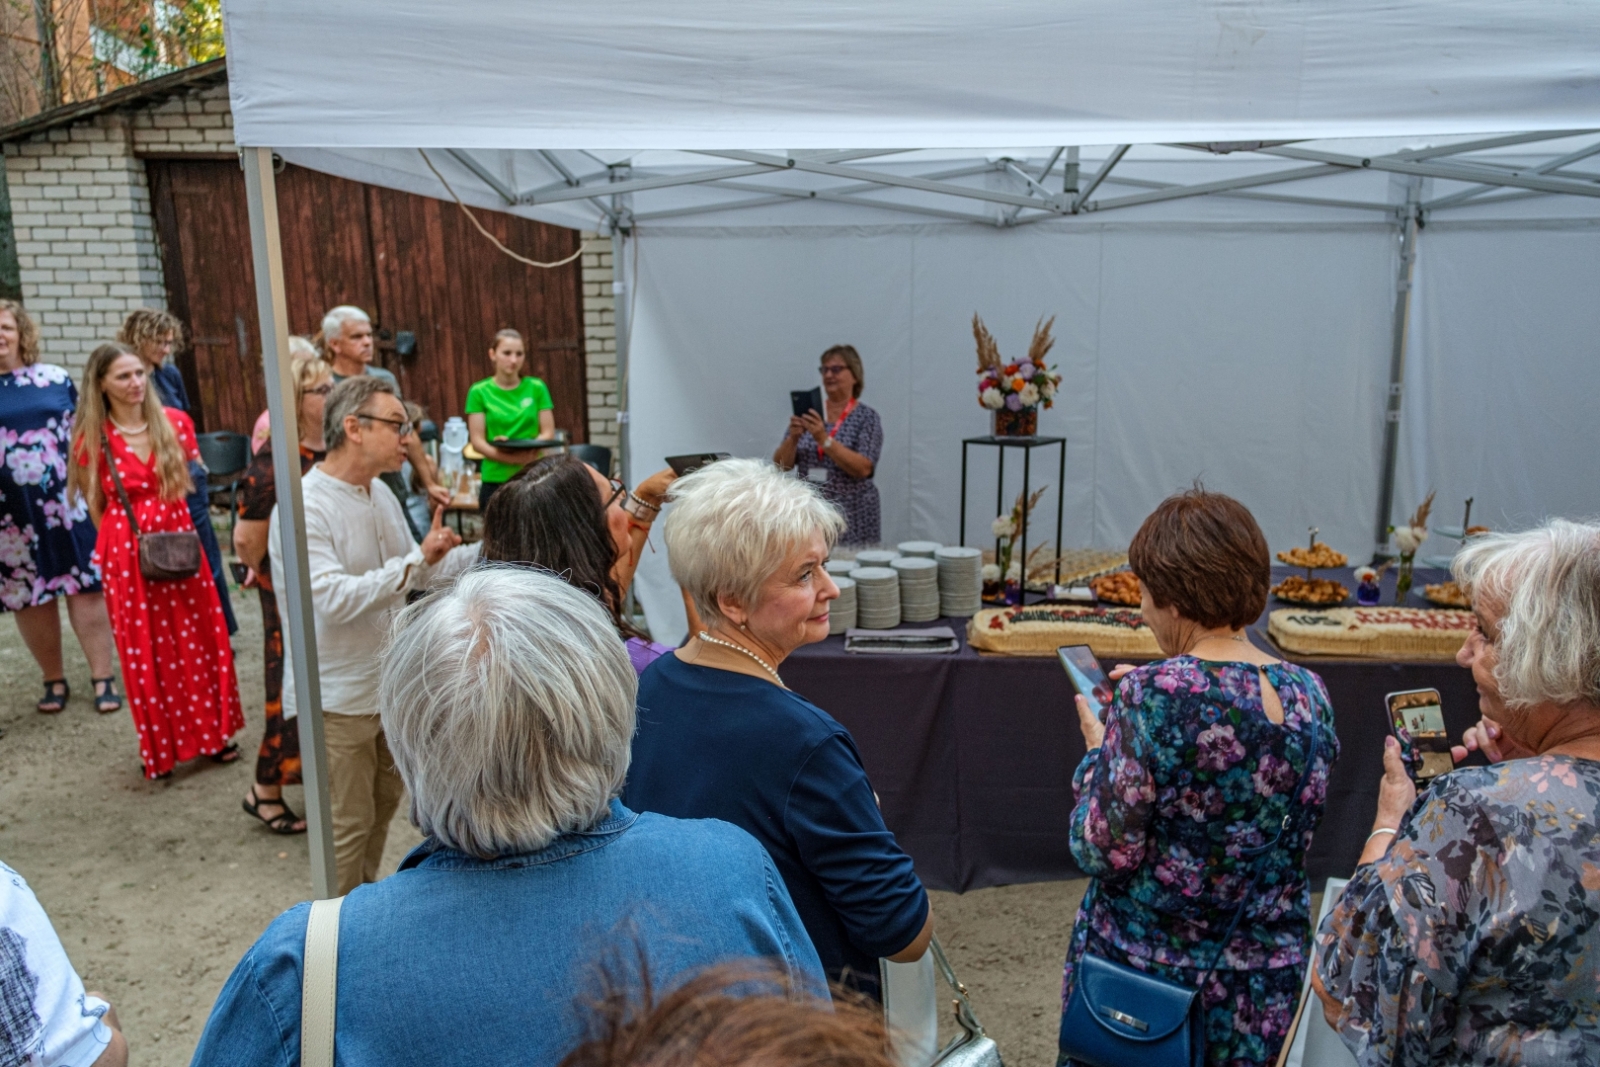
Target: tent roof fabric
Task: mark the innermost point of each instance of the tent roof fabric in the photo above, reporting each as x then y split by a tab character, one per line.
770	75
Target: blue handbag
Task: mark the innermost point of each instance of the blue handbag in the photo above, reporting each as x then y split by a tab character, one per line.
1119	1016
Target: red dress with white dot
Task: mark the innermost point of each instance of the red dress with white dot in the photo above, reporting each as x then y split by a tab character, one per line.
177	664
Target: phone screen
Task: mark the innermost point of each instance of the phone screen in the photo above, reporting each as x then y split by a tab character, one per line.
1087	677
1417	719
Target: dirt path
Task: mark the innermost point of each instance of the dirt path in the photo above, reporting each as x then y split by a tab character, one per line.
157	889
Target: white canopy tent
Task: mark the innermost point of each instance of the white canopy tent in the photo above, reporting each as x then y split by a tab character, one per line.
1230	248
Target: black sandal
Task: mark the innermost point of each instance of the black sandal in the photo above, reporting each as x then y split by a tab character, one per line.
229	754
54	702
108	699
282	823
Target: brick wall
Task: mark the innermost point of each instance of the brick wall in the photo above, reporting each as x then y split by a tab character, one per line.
86	242
600	340
199	121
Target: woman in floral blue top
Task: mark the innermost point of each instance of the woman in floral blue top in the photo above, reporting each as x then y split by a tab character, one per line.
1470	933
46	543
1197	760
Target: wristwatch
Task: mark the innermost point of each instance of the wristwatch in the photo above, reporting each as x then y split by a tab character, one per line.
640	510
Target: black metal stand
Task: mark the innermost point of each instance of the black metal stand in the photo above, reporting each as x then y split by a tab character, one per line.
1027	444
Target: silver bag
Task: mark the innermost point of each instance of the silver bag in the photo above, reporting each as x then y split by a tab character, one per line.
910	998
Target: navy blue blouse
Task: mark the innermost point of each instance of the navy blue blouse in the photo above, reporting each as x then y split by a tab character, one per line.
713	744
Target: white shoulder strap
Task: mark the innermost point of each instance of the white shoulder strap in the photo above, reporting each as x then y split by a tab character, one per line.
319	983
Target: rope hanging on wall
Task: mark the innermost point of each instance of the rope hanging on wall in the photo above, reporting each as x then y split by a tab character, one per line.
582	246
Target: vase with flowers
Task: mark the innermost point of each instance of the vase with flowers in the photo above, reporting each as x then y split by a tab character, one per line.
1014	392
1002	579
1407	539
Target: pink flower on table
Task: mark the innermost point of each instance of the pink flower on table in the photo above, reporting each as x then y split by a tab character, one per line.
1219	749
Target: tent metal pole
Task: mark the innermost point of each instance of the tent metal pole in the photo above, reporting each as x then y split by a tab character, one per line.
621	287
1069	173
1099	176
1397	366
261	197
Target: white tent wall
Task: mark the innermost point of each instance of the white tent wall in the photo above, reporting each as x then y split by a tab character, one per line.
1254	356
1503	375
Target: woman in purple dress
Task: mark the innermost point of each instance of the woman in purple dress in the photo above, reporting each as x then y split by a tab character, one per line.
566	517
46	544
838	449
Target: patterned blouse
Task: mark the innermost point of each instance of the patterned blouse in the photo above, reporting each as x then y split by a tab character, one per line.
1476	939
1191	770
857	498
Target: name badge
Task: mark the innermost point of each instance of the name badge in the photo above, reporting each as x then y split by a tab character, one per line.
817	474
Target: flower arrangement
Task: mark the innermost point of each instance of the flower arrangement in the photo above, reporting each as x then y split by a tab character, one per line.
1007	528
1028	383
1408	538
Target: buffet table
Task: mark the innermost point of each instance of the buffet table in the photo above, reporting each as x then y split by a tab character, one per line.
972	755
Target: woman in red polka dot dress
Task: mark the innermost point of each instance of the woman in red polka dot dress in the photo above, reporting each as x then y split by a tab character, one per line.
177	665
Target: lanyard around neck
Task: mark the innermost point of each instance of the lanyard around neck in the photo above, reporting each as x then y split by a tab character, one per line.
848	408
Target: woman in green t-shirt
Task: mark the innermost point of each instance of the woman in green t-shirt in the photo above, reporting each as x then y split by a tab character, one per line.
507	407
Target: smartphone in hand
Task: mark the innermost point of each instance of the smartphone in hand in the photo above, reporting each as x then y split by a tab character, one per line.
1087	678
1416	717
804	400
687	464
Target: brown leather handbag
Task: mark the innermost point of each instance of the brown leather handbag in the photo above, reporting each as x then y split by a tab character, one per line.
163	557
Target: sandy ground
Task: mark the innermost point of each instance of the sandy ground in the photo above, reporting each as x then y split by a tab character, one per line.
157	889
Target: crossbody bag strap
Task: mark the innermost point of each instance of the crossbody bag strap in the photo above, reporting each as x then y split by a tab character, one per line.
319	983
122	494
1264	851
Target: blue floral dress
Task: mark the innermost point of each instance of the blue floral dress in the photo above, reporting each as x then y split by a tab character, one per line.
1476	939
46	545
1191	771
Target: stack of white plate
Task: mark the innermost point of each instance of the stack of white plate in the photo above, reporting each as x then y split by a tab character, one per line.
924	549
877	597
919	588
876	557
842	612
837	567
960	581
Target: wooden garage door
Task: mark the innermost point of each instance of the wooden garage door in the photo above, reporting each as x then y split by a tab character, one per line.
411	262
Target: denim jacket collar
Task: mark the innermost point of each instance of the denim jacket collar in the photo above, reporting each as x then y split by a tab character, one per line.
434	855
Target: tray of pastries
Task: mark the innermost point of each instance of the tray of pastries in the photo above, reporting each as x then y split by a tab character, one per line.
1119	587
1317	557
1310	592
1446	595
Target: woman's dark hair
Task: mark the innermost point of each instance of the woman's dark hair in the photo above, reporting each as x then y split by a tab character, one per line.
551	516
1204	554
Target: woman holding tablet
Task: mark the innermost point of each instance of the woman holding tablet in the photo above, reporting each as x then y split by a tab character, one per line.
507	407
838	448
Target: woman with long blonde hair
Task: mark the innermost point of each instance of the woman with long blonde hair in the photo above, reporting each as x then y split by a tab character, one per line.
171	636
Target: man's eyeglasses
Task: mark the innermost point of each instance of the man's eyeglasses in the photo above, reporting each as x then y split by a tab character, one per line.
401	426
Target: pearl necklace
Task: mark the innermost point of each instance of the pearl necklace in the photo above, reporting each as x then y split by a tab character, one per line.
708	639
128	431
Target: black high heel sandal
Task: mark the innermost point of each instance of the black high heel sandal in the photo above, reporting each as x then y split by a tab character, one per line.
108	699
56	694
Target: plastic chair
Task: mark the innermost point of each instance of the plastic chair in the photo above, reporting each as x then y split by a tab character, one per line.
226	456
596	456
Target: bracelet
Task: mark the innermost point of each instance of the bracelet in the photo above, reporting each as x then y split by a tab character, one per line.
1381	830
632	505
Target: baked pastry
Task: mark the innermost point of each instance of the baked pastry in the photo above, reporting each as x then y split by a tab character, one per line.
1119	588
1318	591
1474	531
1447	594
1391	632
1039	630
1316	557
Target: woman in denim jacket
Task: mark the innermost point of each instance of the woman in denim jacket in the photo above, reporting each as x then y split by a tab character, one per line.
508	703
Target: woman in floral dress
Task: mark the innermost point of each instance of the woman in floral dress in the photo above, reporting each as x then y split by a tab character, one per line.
46	544
1196	760
1470	933
177	664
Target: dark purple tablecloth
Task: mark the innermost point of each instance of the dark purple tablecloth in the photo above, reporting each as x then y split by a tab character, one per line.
972	756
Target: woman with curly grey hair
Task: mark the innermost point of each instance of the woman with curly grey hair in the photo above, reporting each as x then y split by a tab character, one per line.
1470	932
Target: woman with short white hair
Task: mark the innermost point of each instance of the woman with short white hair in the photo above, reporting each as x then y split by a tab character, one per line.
720	735
1470	933
508	704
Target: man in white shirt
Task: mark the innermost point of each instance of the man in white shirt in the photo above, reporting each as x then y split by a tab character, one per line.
362	562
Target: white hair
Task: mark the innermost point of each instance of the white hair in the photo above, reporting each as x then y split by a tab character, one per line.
1546	583
732	526
333	322
508	702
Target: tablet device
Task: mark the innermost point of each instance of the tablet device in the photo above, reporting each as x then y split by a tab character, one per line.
1087	678
1417	719
682	465
804	400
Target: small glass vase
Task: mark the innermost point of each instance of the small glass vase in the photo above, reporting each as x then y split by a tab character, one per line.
1024	422
1402	580
1368	594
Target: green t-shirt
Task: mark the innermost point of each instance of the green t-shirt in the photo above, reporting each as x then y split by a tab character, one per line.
509	413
